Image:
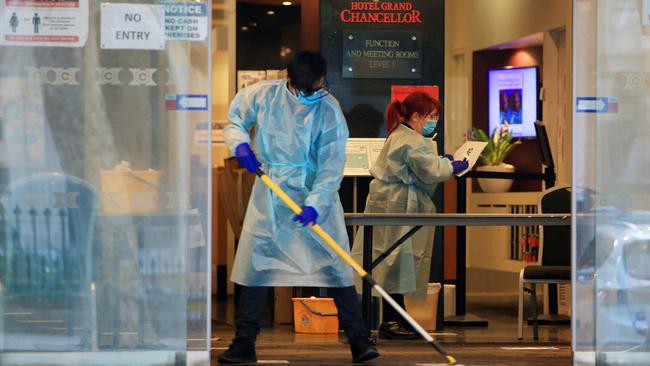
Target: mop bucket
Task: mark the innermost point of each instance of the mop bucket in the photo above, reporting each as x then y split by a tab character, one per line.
315	315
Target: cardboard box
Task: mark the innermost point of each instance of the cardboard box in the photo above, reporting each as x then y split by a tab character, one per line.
128	192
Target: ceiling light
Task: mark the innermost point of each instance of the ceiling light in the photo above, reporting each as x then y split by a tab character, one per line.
286	3
270	12
244	28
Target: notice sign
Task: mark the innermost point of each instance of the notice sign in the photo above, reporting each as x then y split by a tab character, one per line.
186	102
382	54
186	21
132	26
360	155
62	23
596	105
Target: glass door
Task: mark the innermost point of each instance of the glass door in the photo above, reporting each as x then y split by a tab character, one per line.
105	182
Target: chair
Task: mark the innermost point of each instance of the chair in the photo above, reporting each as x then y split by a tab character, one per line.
235	187
555	255
46	252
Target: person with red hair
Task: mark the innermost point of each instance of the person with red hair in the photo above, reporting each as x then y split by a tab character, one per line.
406	175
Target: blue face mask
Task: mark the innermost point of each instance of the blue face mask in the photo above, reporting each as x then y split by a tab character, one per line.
429	126
312	98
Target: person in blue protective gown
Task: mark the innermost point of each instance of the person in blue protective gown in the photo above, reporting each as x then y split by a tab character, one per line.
406	174
299	140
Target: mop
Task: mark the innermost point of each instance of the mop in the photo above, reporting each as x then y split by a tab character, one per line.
348	259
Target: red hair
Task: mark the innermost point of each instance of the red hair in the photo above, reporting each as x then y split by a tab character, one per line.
420	102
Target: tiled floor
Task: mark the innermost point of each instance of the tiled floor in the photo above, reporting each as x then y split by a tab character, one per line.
494	345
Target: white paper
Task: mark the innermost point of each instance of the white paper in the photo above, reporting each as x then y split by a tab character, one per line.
133	26
63	23
470	150
356	160
360	155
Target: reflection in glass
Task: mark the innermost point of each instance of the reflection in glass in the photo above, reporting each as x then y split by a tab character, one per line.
104	211
611	322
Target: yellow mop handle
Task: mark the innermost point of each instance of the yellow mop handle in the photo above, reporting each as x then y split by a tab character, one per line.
346	257
317	229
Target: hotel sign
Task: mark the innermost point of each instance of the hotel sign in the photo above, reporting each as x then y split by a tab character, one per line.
382	54
399	12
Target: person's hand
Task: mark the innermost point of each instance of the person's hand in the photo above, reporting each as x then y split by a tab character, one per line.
449	157
459	165
246	157
308	216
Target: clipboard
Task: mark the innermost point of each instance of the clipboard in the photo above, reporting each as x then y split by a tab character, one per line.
470	150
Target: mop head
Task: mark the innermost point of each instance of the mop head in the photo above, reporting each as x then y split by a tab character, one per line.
450	361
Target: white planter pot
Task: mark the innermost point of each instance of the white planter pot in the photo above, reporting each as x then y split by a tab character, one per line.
491	185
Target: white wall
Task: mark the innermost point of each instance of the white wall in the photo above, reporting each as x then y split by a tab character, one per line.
471	25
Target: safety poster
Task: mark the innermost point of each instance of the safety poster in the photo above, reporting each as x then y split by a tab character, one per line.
62	23
361	154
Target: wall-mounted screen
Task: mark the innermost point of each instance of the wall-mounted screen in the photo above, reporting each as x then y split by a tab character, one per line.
513	97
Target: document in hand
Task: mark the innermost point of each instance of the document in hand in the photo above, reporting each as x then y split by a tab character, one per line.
470	150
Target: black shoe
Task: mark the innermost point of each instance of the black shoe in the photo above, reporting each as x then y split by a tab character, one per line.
239	351
394	330
363	350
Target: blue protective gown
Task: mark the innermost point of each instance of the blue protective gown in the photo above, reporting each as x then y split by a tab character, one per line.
406	173
302	148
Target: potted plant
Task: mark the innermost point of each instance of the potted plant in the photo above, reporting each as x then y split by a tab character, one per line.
500	144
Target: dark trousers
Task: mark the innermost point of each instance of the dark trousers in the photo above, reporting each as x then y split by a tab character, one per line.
253	299
389	314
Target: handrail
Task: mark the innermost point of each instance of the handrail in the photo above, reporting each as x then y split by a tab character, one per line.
381	219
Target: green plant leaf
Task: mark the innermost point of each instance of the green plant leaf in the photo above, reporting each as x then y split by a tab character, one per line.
495	152
480	135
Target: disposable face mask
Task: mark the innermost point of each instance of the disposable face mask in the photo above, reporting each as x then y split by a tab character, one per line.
313	98
429	126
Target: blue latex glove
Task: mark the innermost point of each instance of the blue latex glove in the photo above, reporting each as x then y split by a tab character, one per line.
308	216
246	157
459	165
449	157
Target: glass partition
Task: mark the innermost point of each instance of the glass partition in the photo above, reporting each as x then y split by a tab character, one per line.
612	182
105	178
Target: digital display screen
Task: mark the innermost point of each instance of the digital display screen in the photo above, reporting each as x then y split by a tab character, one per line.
513	98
